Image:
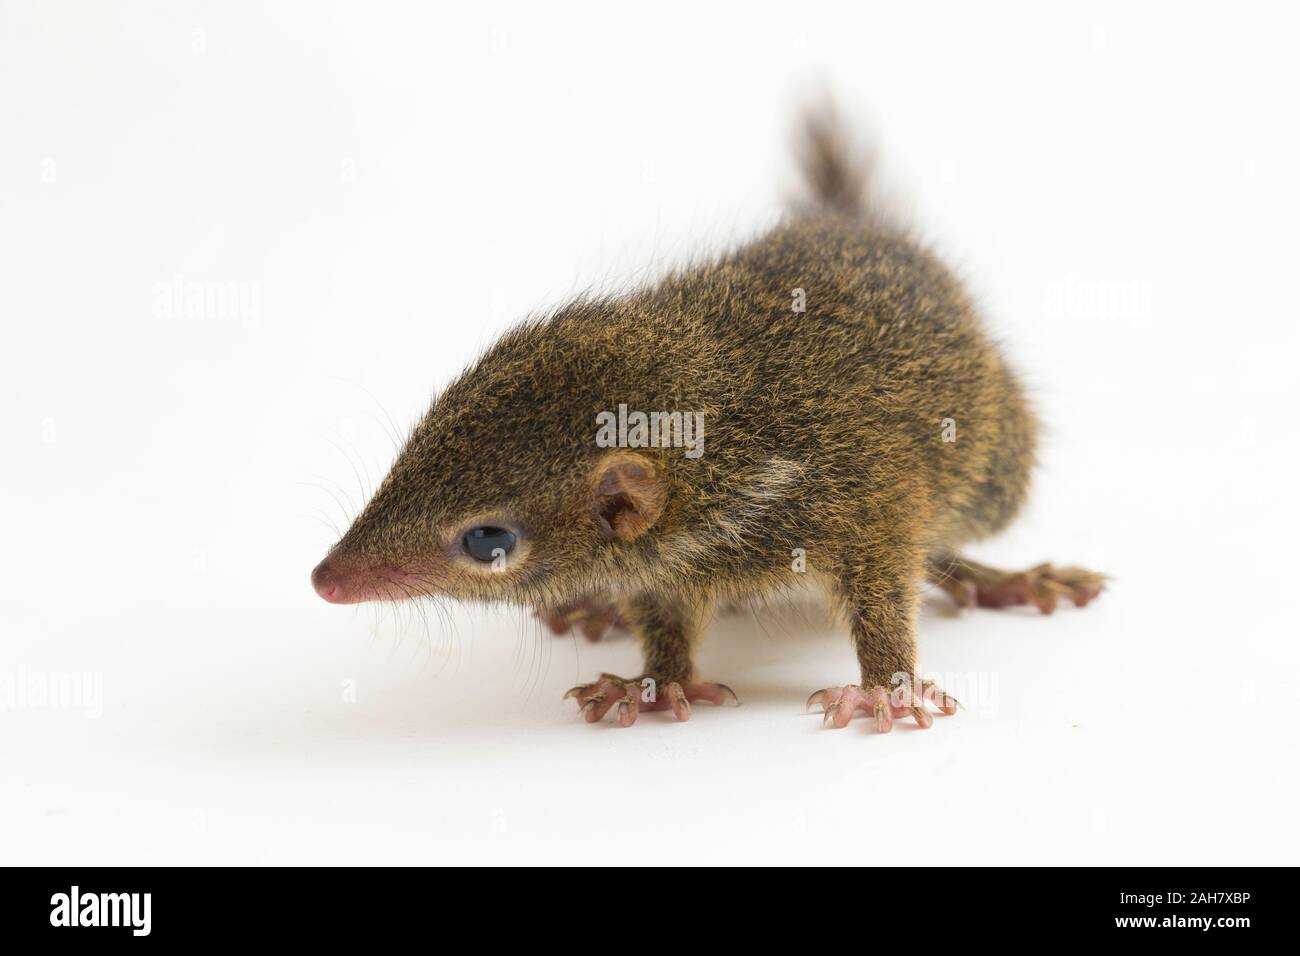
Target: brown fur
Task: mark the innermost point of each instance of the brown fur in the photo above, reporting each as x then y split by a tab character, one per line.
824	431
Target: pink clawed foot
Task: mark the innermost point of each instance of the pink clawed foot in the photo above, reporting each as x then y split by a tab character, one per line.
1042	586
594	617
977	585
631	697
839	704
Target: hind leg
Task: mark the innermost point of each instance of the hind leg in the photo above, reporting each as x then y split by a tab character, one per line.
973	584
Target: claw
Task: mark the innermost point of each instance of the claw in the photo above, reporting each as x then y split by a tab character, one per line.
830	711
627	710
731	693
819	697
923	716
884	721
598	706
681	707
942	699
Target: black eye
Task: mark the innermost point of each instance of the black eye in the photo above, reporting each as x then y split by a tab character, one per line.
481	543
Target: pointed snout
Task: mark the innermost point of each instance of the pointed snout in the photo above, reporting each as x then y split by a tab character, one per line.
331	584
341	581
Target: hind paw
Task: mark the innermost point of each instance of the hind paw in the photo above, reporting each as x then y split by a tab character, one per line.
594	617
972	584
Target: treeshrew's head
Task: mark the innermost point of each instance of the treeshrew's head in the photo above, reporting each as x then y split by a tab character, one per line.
501	493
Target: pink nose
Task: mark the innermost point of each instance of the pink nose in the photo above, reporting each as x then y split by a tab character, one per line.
326	582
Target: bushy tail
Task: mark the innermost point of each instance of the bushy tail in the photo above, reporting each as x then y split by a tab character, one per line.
837	176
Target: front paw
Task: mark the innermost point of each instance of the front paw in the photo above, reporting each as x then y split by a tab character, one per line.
634	695
841	703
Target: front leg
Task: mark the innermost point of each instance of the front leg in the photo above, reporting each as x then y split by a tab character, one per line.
881	601
668	629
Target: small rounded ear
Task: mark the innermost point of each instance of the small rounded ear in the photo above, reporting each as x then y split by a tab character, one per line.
629	496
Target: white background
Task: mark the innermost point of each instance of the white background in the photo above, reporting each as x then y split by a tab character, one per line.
398	183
